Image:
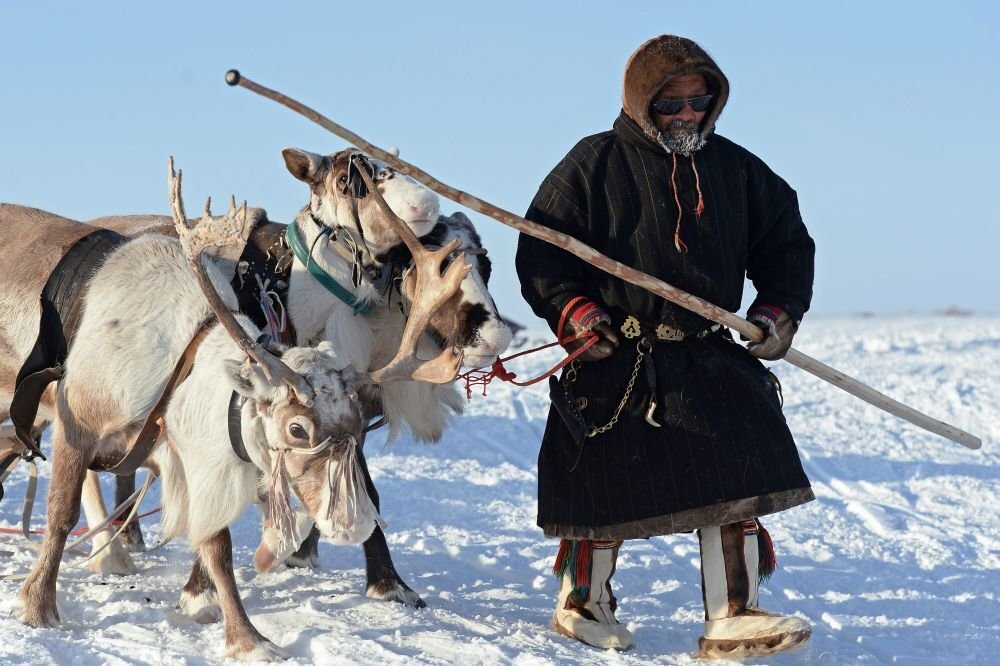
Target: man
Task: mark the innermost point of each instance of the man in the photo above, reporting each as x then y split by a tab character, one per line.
668	425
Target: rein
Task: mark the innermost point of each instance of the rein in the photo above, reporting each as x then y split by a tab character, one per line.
498	371
130	505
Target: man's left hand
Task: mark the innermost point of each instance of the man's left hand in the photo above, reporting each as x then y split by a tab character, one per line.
779	329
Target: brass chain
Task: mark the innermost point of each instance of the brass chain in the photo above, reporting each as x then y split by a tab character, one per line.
642	346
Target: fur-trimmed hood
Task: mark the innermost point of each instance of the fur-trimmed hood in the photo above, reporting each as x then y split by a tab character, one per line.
656	62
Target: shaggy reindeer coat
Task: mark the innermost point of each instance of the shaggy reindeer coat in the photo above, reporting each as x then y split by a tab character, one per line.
724	452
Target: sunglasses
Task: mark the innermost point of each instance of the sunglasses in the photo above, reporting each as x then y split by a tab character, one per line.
669	107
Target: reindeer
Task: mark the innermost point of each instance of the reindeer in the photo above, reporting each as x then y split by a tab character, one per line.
468	320
300	418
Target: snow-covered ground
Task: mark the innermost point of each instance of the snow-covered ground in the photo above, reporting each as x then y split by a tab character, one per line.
898	561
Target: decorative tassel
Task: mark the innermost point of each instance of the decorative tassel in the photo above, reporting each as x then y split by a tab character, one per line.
700	208
767	563
581	569
678	243
279	504
575	559
562	557
276	323
350	507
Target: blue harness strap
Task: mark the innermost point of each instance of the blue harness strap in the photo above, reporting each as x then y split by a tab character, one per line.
324	278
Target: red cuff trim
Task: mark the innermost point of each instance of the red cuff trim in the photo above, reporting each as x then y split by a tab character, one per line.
584	314
573	302
771	312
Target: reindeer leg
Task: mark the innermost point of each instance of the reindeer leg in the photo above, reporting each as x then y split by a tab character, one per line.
383	580
114	559
199	598
38	594
307	556
131	537
243	641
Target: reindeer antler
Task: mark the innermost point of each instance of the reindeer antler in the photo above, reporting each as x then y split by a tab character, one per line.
229	230
432	291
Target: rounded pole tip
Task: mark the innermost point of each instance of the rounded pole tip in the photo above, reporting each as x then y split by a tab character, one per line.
233	77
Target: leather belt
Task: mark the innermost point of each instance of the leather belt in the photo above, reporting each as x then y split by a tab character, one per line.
660	332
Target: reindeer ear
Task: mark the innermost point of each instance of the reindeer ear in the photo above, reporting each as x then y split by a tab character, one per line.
240	381
248	379
302	164
351	381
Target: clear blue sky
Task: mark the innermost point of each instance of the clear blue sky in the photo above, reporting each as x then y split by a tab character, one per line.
881	115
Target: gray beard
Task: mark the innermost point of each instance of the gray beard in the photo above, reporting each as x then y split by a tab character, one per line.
681	137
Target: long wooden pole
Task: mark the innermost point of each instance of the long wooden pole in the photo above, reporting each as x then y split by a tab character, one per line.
605	263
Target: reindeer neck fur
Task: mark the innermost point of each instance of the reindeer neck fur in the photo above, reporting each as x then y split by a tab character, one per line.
310	304
200	468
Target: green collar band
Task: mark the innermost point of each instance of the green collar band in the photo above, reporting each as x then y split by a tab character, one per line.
324	278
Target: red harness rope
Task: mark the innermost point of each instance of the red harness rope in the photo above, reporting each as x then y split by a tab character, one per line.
81	530
498	371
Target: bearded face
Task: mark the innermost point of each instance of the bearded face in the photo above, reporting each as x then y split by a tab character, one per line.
681	137
673	113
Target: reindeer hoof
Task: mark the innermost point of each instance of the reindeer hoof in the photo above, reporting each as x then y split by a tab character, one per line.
131	538
310	561
395	590
37	614
114	560
203	608
40	619
265	650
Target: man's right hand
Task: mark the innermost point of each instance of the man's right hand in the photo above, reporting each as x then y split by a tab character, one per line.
606	344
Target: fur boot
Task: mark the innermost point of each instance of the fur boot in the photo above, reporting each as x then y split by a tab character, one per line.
586	607
731	569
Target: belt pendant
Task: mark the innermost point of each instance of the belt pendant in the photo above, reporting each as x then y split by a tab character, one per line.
668	333
631	327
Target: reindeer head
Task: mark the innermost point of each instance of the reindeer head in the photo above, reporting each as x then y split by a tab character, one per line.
304	407
470	317
336	188
306	447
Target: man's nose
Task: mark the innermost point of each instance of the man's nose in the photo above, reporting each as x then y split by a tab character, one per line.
686	113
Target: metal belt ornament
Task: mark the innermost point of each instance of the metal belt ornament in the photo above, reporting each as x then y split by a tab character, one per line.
632	328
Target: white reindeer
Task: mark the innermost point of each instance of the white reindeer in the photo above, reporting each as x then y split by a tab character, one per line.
469	320
299	419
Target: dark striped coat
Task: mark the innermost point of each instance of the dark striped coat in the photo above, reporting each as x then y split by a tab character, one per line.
724	452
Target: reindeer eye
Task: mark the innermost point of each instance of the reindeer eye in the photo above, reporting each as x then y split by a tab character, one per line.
342	180
297	431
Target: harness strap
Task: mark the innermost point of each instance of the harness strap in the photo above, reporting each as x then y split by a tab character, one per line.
24	404
235	420
324	278
7	466
374	425
61	303
29	503
153	428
